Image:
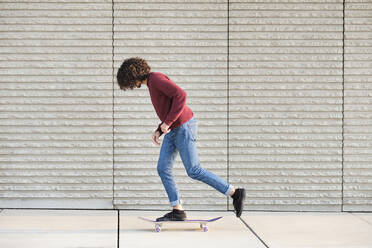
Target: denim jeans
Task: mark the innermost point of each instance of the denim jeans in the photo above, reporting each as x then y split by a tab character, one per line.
183	140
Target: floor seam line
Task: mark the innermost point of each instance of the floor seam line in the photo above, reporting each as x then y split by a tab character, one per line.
245	223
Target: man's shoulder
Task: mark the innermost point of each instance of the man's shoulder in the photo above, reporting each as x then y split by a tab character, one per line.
158	75
157	79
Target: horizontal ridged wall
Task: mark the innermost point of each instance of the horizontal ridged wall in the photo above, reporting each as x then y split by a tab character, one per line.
285	104
56	104
188	42
358	106
288	120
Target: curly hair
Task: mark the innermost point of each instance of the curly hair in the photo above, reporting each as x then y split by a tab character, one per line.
132	70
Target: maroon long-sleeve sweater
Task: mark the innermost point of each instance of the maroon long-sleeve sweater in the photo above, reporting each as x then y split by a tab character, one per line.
169	101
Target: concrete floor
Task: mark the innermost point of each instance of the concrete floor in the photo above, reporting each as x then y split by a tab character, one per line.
99	229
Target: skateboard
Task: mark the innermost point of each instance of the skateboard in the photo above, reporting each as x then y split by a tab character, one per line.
202	223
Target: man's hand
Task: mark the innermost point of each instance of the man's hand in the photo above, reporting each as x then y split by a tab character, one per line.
155	138
165	128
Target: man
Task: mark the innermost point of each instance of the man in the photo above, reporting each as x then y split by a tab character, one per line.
180	129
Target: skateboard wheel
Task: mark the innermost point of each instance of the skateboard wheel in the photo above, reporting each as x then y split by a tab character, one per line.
157	228
204	227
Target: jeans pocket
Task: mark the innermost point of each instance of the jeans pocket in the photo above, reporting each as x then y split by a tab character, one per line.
193	127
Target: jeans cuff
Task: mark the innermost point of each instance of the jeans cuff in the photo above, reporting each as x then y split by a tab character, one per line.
175	203
228	192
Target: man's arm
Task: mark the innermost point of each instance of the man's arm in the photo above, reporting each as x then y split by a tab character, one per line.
178	98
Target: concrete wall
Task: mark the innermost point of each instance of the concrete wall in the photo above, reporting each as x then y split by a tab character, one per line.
281	91
56	104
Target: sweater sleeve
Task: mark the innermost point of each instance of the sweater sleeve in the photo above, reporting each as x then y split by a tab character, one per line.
159	129
177	96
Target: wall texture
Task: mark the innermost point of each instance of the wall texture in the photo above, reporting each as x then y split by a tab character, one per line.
281	90
285	105
188	42
357	173
56	104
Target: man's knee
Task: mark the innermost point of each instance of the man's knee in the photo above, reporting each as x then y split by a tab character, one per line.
195	172
162	169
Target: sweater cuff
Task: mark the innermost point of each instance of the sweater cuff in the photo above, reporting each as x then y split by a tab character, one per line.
159	129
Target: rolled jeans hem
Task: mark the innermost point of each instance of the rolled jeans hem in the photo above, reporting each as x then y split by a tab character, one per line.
228	192
175	203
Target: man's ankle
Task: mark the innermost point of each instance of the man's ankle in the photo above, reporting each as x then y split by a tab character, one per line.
178	207
232	192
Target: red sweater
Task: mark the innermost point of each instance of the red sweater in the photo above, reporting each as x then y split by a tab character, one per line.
169	101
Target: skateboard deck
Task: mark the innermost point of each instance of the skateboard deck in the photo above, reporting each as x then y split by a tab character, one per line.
202	223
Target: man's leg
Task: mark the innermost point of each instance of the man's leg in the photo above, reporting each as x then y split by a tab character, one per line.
186	145
168	154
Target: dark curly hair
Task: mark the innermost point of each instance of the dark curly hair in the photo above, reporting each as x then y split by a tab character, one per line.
132	70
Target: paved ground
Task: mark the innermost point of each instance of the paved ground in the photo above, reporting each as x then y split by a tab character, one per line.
99	229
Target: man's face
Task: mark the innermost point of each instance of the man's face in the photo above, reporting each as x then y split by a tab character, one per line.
138	84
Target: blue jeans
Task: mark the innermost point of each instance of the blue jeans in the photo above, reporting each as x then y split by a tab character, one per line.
183	140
